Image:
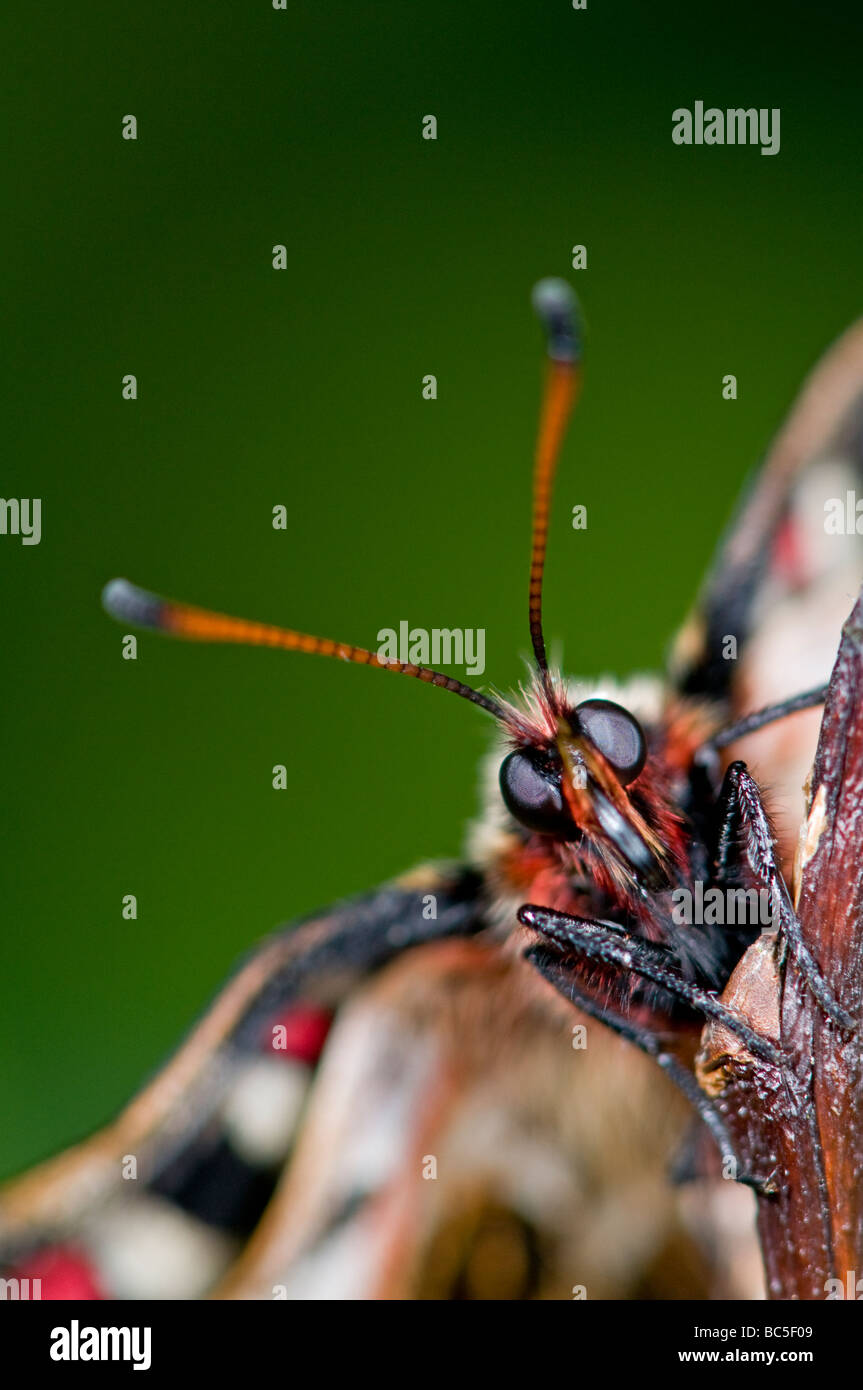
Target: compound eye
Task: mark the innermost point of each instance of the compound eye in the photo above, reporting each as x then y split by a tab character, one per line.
532	794
618	736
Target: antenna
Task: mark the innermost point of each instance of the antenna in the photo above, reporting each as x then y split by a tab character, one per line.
557	307
129	604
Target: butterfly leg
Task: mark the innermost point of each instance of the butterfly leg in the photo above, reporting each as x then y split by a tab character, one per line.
550	967
770	714
743	820
607	944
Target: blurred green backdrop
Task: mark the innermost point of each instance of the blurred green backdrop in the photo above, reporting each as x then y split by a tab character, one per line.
303	387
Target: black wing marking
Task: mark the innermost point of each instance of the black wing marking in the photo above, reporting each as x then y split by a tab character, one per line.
774	546
186	1155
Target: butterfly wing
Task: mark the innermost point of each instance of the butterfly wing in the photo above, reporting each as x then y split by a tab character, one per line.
451	1142
768	620
159	1202
457	1145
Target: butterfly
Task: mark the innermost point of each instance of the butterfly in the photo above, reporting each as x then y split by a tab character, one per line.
448	1087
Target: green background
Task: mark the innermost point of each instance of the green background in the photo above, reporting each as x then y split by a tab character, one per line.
304	388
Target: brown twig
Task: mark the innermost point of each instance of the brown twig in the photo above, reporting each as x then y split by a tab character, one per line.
801	1125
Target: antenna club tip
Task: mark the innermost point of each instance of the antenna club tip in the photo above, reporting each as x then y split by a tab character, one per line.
555	303
553	295
128	603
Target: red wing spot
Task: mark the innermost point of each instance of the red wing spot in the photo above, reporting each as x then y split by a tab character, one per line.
788	556
65	1274
299	1033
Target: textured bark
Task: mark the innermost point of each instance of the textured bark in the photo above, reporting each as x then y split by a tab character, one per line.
803	1124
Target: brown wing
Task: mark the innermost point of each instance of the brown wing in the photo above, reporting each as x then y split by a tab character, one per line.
457	1146
159	1202
784	580
776	547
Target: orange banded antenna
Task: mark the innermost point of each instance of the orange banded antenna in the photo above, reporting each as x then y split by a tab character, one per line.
557	307
140	608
